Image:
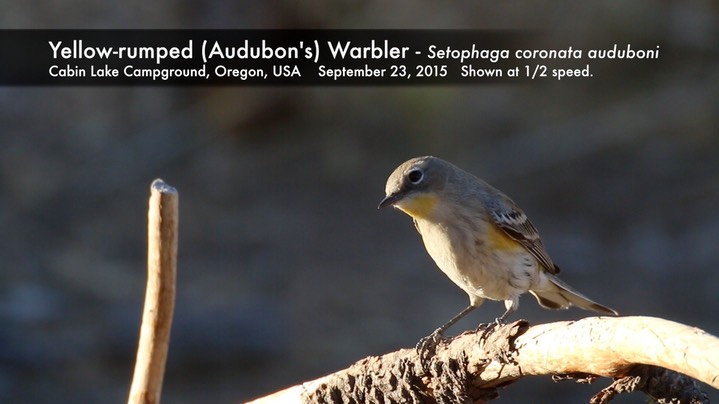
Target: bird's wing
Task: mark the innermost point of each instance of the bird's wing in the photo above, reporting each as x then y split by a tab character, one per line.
516	225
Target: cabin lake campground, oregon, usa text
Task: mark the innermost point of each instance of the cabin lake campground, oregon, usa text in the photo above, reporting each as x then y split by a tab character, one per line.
321	61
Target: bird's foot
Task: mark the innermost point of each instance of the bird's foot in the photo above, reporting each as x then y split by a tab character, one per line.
427	346
487	328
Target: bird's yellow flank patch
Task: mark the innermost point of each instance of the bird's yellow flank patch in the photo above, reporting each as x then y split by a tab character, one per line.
498	239
420	206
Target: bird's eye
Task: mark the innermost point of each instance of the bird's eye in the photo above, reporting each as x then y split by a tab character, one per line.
415	176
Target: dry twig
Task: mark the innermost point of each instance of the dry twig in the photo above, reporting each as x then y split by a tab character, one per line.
159	295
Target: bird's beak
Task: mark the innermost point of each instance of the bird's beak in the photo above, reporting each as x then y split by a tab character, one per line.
389	200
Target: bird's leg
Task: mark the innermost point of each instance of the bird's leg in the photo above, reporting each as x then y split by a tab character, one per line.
487	328
501	319
433	339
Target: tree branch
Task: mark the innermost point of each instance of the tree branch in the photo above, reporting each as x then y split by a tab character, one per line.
472	366
159	295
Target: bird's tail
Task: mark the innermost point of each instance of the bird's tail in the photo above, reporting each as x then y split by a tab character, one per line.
560	296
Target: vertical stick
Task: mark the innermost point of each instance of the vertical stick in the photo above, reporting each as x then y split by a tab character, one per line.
159	295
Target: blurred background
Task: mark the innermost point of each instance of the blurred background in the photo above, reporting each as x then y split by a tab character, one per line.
287	271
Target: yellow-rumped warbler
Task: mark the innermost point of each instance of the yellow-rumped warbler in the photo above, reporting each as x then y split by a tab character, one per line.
479	238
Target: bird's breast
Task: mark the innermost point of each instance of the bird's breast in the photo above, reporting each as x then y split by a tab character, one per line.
483	261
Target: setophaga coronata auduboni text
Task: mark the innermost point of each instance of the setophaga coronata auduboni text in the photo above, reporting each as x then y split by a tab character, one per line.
479	238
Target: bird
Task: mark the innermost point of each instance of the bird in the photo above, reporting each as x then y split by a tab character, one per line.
479	238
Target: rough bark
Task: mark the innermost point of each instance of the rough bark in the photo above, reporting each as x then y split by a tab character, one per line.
640	353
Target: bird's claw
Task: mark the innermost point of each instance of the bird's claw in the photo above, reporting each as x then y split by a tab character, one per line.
488	328
430	342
